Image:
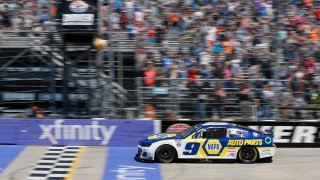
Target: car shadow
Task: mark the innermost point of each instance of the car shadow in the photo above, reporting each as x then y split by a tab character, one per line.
216	161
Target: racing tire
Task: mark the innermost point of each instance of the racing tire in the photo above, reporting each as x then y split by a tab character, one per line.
248	154
165	154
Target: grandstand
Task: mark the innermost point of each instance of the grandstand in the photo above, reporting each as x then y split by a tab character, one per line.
187	59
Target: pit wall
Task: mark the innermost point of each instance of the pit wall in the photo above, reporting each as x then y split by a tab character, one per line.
127	133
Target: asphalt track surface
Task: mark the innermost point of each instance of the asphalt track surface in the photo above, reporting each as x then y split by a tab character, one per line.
97	163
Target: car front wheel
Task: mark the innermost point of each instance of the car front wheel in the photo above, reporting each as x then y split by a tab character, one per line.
165	154
248	154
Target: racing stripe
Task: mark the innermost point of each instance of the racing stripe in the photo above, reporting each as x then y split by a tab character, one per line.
203	154
225	150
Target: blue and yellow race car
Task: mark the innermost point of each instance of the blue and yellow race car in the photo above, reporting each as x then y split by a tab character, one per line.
209	141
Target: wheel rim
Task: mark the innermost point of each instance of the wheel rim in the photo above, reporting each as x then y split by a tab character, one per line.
165	154
247	154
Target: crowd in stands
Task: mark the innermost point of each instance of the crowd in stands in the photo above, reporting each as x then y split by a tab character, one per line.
24	15
262	40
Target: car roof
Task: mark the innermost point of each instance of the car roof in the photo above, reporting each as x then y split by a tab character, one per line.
225	125
217	124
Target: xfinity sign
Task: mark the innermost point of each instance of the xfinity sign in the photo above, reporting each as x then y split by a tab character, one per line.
94	131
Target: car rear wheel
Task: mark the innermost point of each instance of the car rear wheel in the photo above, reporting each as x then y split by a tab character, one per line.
248	154
165	154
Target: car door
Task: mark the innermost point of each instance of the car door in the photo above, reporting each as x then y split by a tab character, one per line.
204	143
191	145
215	142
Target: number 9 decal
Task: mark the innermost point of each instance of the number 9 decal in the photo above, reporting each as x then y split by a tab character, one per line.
192	148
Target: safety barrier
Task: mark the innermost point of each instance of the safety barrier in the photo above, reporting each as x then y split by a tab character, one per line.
86	132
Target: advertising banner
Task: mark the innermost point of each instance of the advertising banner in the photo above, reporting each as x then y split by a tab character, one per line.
286	134
78	12
7	131
119	133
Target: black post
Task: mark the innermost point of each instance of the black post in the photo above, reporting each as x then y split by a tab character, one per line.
52	86
65	93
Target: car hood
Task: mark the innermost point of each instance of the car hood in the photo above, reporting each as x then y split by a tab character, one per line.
163	136
159	137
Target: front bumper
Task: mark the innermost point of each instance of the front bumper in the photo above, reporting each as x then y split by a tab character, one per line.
265	152
144	154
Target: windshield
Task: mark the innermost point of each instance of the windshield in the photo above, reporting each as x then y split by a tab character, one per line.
187	131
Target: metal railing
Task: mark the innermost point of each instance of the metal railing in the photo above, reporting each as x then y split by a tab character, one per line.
218	99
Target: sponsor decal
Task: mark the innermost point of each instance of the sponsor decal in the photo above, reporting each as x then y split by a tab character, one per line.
178	142
161	136
212	147
256	134
268	140
265	152
120	165
232	154
93	131
175	128
131	172
240	142
78	6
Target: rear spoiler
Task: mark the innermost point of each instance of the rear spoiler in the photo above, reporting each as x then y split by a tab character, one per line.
268	132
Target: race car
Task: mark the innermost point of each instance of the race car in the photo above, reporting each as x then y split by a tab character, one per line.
207	141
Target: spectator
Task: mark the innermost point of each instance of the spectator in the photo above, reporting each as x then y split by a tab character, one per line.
244	101
201	109
297	103
150	74
267	100
315	102
123	20
219	99
140	57
193	74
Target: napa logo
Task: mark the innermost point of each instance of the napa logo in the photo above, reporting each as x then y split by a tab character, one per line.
94	131
78	6
213	147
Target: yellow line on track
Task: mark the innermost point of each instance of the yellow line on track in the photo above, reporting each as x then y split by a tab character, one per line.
74	164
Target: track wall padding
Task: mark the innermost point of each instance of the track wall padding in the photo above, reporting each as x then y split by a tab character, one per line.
74	132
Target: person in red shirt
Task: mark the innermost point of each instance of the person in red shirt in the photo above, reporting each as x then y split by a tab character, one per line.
150	35
193	73
123	20
311	65
316	14
150	75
